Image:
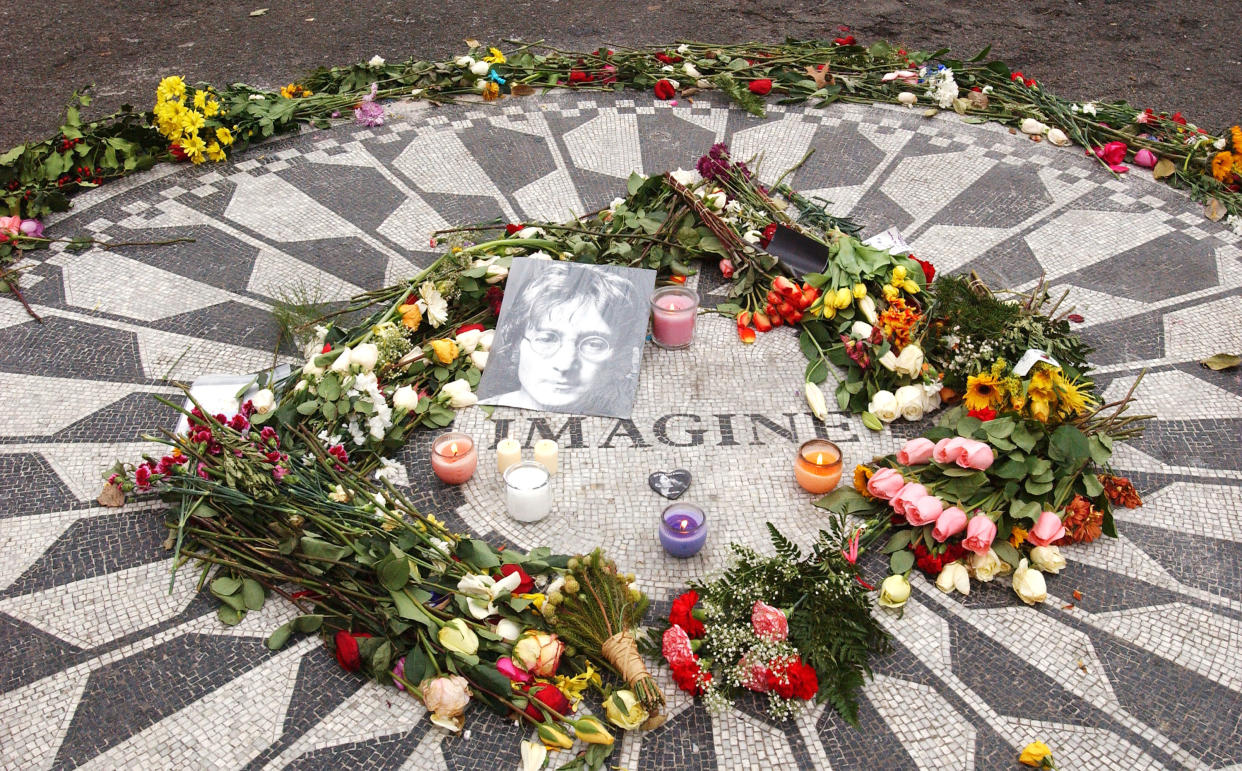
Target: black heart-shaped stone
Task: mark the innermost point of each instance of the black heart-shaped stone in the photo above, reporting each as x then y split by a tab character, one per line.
670	484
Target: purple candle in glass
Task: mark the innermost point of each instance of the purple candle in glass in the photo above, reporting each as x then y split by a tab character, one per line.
683	529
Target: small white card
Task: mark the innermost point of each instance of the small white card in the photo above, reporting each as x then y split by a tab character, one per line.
1029	359
217	394
889	240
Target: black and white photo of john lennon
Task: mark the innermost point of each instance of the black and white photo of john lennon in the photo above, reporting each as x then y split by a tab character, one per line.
569	338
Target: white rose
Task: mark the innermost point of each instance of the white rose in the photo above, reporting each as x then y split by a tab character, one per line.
716	200
365	355
406	398
1034	127
469	340
908	98
910	361
1057	137
676	84
342	362
465	61
508	630
1088	108
459	394
910	401
485	340
480	68
861	330
985	567
495	274
889	361
703	83
867	306
479	359
301	386
376	61
953	576
894	591
667	68
815	399
1047	559
263	401
752	236
683	49
884	406
684	177
539	255
690	70
1029	584
931	397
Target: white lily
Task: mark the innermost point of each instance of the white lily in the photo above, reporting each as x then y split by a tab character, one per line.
483	591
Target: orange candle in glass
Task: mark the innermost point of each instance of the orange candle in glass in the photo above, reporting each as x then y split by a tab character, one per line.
453	458
818	466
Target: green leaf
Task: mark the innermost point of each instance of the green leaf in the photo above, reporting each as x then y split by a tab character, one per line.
871	421
979	56
225	586
901	561
1221	361
816	371
330	387
1037	488
277	639
490	679
998	428
966	426
329	411
310	622
408	609
900	540
394	573
957	471
1005	551
635	181
477	553
844	500
1099	453
308	407
229	616
1068	444
253	594
1091	484
1023	437
1019	509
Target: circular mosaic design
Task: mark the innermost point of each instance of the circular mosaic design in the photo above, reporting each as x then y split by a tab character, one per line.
111	669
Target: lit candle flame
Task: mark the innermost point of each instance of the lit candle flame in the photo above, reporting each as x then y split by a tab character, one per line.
683	524
453	449
819	459
672	306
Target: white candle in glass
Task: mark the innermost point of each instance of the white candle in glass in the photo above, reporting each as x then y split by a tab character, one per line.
508	453
528	491
545	453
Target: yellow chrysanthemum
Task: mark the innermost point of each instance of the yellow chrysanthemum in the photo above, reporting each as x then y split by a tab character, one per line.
192	121
224	136
496	56
491	91
1017	536
200	99
211	109
1236	134
1071	397
194	147
170	89
215	152
981	391
862	475
1222	165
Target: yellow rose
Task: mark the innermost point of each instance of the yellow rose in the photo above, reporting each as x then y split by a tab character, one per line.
894	591
591	731
624	711
1036	755
458	637
446	350
553	737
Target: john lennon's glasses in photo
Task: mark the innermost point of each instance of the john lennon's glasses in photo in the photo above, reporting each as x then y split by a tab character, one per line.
592	348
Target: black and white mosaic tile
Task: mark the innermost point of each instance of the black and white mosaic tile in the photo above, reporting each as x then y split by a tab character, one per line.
109	668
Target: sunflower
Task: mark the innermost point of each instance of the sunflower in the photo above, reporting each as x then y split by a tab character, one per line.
861	475
981	391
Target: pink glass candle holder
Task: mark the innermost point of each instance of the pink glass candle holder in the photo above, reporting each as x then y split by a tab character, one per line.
454	457
673	311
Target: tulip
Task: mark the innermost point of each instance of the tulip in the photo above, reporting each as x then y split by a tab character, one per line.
405	398
1047	559
987	566
950	522
910	400
458	637
924	511
894	591
365	355
976	455
884	406
1048	528
459	393
916	452
910	361
624	711
953	576
885	483
446	698
534	756
263	401
591	731
1029	584
538	652
1146	158
815	399
842	298
980	532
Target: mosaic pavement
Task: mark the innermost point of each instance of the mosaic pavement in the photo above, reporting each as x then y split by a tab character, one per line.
107	668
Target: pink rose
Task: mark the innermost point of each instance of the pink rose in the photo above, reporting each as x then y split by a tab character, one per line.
769	623
9	226
885	483
1048	528
947	450
924	510
512	671
1145	158
908	495
977	455
1113	154
32	228
916	452
980	532
950	522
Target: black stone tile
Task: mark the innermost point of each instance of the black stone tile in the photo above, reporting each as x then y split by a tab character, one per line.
359	194
1003	197
494	743
1168	266
1213	565
28	485
35	650
389	752
1105	591
684	742
463	209
65	348
512	159
876	211
349	258
1136	338
1193	442
95	546
228	322
127	696
1009	263
670	143
842	157
869	746
213	257
125	420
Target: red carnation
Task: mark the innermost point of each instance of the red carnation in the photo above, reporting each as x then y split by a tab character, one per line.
691	678
578	76
985	414
551	697
848	40
347	650
664	89
682	615
762	86
510	229
176	152
666	59
805	680
525	585
929	270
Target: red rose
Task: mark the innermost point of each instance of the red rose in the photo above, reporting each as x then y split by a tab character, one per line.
551	697
463	329
848	40
495	296
766	237
929	270
691	678
176	152
510	229
578	76
681	615
664	89
985	414
347	650
525	585
762	87
666	59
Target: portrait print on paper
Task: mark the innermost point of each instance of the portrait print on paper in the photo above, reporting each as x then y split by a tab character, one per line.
569	338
